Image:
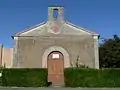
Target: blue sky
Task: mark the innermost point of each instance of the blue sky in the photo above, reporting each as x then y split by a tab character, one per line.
100	16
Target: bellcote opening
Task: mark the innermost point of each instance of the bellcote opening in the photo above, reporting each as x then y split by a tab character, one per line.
55	13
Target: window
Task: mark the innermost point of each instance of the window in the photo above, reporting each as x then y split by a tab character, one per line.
55	56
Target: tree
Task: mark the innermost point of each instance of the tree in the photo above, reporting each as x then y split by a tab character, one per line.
109	53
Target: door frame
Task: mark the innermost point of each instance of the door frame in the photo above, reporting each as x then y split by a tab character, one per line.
56	48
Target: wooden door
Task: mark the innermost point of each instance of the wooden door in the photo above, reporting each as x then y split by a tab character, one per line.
56	68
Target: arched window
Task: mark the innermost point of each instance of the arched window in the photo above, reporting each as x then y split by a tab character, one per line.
55	13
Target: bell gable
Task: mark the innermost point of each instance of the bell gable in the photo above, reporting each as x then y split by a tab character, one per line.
56	25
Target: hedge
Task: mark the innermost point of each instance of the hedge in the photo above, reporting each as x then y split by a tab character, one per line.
24	77
74	77
77	77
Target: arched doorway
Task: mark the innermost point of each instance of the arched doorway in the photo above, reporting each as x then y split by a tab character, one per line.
55	48
55	64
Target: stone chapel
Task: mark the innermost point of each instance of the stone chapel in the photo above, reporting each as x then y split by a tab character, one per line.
55	41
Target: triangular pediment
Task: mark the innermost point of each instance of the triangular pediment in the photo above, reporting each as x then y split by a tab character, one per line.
43	29
55	26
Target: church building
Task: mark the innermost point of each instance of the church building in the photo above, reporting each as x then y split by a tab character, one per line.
55	42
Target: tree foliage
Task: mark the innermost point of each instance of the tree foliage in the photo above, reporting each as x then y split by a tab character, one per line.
109	51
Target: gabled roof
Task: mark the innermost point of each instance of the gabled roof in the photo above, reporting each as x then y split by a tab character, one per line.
66	22
17	34
78	27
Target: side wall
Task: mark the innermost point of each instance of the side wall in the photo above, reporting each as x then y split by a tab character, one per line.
1	55
7	56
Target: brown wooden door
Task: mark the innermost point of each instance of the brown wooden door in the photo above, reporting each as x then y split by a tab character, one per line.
56	68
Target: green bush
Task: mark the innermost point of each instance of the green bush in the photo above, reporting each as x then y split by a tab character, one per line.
85	77
0	77
74	77
24	77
